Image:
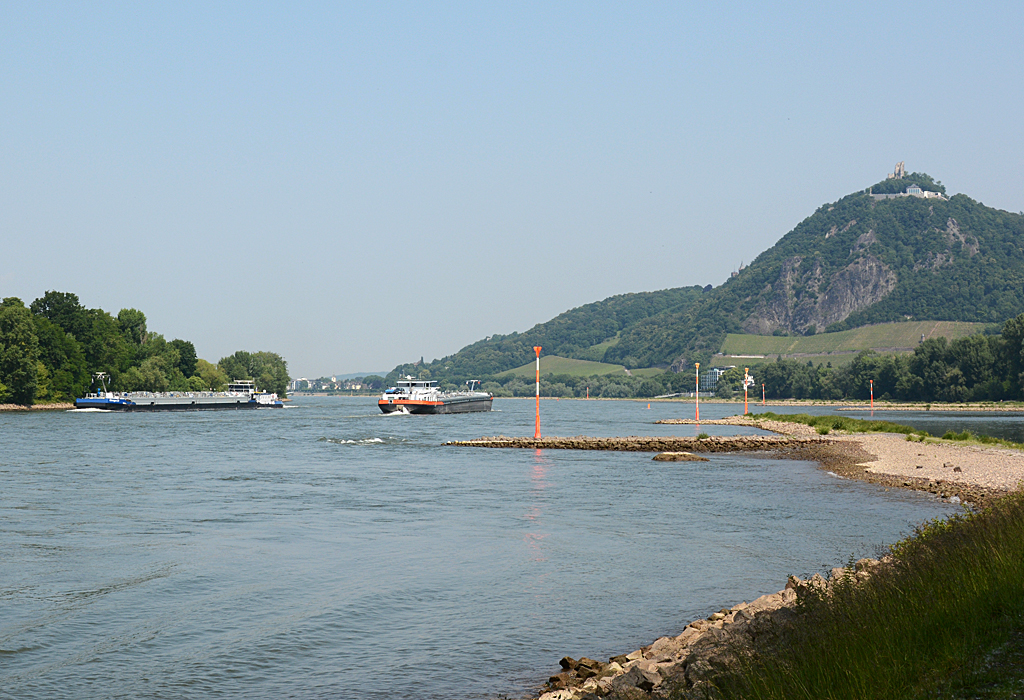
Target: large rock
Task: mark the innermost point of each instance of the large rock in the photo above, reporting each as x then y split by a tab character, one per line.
678	457
637	677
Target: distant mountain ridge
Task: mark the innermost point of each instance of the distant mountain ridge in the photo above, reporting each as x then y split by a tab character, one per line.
859	260
583	333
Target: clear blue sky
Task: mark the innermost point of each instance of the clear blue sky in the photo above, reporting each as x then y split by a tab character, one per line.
358	186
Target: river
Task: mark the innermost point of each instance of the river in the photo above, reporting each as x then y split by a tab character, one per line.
325	550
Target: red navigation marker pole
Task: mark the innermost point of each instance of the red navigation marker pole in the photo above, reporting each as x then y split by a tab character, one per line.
872	394
762	394
536	429
697	392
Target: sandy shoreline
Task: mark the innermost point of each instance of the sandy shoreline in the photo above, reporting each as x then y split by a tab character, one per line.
973	473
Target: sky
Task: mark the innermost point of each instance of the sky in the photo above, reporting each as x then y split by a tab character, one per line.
357	186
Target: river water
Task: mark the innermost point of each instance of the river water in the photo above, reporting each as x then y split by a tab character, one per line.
325	550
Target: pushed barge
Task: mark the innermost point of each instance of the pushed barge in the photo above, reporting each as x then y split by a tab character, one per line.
423	396
240	395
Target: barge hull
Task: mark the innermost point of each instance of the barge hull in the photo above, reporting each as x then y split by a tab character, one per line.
169	406
457	405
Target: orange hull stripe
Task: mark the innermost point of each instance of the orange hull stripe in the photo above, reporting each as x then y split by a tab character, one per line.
406	402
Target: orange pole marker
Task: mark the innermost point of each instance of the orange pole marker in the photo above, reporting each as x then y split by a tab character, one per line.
536	425
872	394
762	394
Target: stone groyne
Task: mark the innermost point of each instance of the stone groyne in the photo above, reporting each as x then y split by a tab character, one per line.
738	443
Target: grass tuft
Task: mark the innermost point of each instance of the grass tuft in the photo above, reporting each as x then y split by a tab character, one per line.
850	425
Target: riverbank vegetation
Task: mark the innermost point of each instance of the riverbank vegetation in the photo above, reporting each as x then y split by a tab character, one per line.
850	425
979	367
50	349
946	619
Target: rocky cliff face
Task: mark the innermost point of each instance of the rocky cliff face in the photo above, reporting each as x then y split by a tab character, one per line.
805	294
797	301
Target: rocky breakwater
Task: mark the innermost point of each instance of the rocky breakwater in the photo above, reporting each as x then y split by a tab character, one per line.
738	443
685	666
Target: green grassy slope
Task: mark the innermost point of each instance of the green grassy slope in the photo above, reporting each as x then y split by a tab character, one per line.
552	364
882	336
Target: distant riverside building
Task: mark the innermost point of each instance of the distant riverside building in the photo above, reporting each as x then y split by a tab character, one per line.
709	379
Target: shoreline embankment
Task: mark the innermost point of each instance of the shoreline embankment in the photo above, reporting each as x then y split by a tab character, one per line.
37	407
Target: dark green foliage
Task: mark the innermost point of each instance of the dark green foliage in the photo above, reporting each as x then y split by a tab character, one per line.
19	353
945	620
133	325
67	373
187	359
50	351
980	367
267	369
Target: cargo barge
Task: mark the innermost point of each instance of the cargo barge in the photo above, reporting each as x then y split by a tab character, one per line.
420	396
240	395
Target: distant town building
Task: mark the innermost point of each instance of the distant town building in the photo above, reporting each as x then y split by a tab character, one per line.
709	379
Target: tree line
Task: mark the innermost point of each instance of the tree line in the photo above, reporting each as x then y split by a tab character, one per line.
975	368
50	350
981	367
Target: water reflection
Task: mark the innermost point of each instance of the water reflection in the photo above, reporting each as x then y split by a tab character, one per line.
538	483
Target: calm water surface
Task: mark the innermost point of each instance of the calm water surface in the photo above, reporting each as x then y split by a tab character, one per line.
326	550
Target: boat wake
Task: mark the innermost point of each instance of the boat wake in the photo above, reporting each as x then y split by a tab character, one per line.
365	441
87	410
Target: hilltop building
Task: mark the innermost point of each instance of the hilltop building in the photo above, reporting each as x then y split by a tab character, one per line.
911	191
898	173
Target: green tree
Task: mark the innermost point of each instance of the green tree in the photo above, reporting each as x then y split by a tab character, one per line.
19	353
67	375
151	375
64	309
212	377
133	324
268	369
186	356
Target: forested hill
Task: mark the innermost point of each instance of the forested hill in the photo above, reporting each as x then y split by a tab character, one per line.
583	333
856	261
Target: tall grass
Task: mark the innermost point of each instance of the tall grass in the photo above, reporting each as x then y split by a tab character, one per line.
920	628
968	436
853	425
